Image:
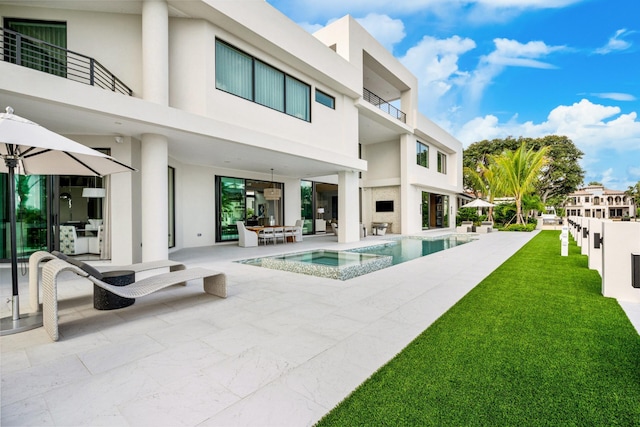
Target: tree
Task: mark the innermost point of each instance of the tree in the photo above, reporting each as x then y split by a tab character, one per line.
518	172
634	191
485	182
594	183
560	176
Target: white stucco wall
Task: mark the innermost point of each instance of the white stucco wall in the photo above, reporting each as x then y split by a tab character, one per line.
114	40
620	240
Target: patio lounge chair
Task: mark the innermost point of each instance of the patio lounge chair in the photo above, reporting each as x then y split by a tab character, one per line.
465	227
485	227
38	257
214	282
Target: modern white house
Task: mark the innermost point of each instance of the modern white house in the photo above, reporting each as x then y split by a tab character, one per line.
596	201
230	112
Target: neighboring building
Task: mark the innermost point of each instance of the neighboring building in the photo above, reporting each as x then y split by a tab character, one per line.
595	201
217	103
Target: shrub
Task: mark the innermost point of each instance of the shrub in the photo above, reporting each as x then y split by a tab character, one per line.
504	213
520	227
467	214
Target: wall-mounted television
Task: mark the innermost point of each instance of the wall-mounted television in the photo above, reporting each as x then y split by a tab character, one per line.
384	206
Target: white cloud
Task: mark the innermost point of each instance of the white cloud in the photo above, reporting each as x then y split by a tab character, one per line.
615	43
591	126
506	53
634	171
435	63
607	178
615	96
310	28
513	53
603	133
481	10
386	30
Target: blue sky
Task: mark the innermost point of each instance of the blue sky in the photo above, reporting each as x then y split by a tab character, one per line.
496	68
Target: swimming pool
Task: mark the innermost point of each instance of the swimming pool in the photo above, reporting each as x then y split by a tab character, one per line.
408	248
345	265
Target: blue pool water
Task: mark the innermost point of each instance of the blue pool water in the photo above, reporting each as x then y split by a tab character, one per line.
409	248
344	265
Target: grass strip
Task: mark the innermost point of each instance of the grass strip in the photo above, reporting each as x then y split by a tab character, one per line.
535	343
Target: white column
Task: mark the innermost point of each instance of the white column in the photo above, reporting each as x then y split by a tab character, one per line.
154	148
155	51
410	198
348	207
154	198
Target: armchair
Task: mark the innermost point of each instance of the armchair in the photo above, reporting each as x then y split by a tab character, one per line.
70	243
246	238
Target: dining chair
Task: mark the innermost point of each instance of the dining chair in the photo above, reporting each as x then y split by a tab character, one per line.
266	234
278	233
290	233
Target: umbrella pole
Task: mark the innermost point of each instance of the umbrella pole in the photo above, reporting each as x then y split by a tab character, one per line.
16	323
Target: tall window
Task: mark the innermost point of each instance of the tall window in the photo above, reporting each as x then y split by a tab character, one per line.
442	162
298	99
234	71
269	86
422	155
42	47
245	76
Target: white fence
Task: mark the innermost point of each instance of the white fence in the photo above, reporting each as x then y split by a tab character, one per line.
609	246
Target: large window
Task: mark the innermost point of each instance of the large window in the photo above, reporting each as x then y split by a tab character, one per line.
240	199
245	76
422	154
30	51
442	162
234	71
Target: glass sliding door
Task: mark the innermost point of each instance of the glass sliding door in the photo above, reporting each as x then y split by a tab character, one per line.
172	207
239	199
306	211
231	207
31	215
425	210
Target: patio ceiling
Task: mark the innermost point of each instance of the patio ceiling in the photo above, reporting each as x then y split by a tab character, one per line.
185	146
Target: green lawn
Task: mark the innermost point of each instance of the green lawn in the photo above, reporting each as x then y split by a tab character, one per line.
534	344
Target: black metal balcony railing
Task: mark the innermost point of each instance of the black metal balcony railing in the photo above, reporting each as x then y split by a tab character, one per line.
384	105
42	56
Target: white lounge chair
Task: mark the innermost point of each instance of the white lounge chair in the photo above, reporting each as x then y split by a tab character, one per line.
465	227
37	258
485	227
214	283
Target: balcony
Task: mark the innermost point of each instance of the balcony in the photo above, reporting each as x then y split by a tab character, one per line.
39	55
384	105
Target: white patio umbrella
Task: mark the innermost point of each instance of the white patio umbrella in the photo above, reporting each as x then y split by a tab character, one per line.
26	149
478	203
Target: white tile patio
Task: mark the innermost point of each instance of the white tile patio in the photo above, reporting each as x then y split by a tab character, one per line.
281	350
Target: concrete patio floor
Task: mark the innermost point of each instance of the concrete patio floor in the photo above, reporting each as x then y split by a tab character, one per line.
282	350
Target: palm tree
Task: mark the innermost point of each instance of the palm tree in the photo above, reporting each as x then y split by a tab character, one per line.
517	172
485	181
